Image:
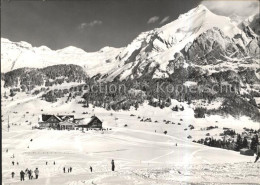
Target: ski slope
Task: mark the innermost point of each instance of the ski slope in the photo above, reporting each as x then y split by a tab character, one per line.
142	156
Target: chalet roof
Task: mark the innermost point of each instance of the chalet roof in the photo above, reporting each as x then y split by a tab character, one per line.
87	120
245	149
46	117
65	116
56	118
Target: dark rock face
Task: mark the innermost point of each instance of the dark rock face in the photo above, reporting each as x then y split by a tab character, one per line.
211	46
254	47
249	76
255	24
175	64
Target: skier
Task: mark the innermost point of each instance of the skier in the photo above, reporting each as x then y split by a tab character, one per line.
36	171
113	165
64	169
22	175
30	174
90	169
17	163
54	163
257	153
13	163
7	150
26	171
12	174
46	163
70	169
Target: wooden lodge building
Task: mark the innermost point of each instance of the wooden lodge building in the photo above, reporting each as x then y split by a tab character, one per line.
68	122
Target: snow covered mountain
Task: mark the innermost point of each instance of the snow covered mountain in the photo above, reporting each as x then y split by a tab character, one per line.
199	36
16	55
152	51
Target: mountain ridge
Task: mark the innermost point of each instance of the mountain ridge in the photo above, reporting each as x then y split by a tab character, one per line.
152	50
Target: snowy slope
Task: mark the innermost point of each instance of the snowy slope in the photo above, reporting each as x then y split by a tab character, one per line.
136	147
16	55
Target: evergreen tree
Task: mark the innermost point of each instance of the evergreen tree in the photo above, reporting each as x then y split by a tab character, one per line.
254	143
245	143
238	143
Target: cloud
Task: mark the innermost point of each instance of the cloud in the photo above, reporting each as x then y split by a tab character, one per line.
165	19
90	24
153	20
243	8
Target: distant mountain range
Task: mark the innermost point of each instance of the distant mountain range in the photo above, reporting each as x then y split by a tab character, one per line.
199	36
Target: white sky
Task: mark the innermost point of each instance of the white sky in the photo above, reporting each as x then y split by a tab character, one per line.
244	8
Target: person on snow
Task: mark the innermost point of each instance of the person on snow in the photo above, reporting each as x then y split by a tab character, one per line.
64	169
113	165
30	174
22	175
17	163
46	163
12	174
90	169
54	163
70	169
257	153
36	171
13	163
26	171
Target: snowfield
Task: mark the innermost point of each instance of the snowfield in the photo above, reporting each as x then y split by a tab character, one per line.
142	156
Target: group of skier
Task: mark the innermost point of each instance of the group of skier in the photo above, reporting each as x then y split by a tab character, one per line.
69	169
27	172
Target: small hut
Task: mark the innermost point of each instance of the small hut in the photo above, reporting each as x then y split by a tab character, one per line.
246	151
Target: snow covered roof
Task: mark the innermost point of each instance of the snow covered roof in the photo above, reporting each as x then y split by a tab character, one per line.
46	117
86	121
57	118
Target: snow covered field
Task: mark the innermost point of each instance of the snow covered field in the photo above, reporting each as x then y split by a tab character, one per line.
142	156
